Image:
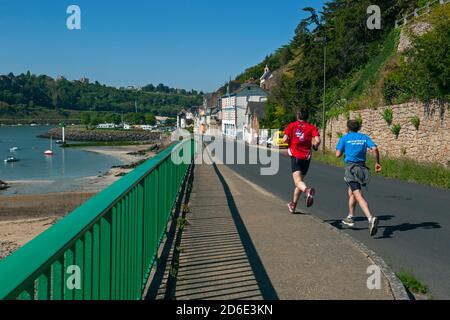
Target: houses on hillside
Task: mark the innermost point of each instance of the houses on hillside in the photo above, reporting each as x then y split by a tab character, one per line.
265	78
185	119
237	113
253	115
234	107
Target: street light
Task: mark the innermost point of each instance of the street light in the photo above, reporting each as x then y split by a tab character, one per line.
324	123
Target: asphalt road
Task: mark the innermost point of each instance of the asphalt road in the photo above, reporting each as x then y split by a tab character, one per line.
414	230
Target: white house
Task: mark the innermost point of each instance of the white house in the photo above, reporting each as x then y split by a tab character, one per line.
265	78
181	119
234	106
106	126
253	115
147	127
185	119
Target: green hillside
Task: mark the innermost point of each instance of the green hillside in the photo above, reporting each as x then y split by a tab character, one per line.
364	69
28	96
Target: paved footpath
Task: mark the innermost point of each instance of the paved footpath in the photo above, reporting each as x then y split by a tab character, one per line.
241	243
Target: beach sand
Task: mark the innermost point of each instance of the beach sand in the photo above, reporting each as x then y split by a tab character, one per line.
29	207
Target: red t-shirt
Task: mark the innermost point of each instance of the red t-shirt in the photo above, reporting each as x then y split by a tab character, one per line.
300	135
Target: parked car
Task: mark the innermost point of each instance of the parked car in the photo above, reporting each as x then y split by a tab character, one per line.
276	140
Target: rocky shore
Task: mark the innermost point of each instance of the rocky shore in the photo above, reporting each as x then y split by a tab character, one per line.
83	134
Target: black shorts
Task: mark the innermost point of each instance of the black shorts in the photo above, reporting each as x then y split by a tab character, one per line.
354	185
300	165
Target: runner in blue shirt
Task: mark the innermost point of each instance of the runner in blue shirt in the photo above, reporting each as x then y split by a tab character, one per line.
354	146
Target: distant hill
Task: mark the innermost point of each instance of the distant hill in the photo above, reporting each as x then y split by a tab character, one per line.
28	95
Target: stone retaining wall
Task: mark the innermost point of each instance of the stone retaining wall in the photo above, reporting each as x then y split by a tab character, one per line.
429	144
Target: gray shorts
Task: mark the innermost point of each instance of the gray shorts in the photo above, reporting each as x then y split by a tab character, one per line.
357	175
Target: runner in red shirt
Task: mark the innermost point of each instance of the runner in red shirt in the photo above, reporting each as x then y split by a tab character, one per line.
301	136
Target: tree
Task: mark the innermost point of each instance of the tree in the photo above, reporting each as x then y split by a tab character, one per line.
46	92
86	119
411	78
150	119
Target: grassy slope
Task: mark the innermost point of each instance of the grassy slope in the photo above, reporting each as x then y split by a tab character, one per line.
363	88
363	83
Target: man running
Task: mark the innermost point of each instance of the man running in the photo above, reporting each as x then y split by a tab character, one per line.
301	136
355	145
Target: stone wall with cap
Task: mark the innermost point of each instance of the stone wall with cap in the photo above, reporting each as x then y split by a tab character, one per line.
430	143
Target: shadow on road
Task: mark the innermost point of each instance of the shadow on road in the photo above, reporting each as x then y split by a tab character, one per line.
388	231
337	223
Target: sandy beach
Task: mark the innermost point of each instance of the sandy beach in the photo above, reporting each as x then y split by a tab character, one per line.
29	207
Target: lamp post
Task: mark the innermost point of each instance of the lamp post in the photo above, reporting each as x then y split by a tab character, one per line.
324	123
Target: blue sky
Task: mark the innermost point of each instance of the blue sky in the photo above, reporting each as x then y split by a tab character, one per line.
187	44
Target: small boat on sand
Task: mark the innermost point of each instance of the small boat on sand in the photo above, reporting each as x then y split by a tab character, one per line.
3	185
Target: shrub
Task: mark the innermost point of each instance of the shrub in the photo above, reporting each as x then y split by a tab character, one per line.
388	115
419	64
411	283
396	87
347	114
396	130
359	120
415	121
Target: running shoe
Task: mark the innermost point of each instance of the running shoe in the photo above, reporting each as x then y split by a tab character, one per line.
373	226
349	221
291	207
309	196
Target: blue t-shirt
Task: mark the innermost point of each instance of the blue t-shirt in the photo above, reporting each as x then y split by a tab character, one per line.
354	145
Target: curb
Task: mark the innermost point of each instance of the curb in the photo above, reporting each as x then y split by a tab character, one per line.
398	290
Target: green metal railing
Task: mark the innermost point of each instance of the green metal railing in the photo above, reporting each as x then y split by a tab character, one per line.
112	239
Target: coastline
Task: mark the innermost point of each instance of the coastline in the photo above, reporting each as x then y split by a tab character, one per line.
127	155
32	206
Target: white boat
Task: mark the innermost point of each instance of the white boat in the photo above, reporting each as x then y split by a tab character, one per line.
11	159
50	151
13	149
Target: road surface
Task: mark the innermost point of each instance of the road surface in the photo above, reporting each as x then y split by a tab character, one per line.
414	230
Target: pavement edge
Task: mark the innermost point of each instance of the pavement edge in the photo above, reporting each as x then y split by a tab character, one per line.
397	288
